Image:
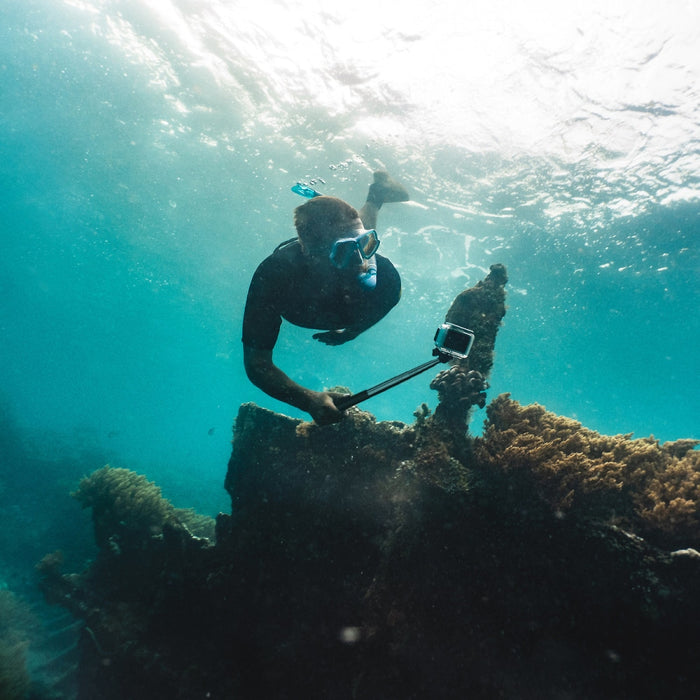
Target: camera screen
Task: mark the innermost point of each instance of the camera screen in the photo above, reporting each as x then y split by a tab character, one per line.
457	341
454	340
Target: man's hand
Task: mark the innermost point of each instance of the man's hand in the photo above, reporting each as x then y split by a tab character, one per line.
335	337
323	410
274	382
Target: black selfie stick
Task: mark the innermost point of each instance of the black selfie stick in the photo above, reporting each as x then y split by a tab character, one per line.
344	402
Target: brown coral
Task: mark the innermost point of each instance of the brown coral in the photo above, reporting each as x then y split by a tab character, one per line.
126	507
651	487
671	500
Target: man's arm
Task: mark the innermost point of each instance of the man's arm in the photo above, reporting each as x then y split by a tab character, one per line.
262	371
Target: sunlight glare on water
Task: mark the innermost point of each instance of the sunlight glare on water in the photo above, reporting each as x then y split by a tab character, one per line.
607	88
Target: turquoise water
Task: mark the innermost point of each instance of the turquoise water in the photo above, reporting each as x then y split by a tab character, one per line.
148	149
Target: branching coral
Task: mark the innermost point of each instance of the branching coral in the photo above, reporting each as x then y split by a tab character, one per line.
653	487
126	506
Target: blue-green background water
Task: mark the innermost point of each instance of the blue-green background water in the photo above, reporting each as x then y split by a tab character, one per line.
147	151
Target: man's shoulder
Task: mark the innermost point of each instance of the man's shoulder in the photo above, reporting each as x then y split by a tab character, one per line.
386	268
288	251
384	262
283	259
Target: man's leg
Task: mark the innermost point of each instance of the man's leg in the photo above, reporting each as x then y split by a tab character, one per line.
383	190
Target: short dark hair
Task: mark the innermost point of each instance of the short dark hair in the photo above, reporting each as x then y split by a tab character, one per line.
321	219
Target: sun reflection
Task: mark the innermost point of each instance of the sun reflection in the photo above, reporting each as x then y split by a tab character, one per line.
614	86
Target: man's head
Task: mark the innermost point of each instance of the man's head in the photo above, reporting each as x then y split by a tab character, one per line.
323	220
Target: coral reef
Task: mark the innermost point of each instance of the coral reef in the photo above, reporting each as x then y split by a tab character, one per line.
129	509
126	507
384	560
356	562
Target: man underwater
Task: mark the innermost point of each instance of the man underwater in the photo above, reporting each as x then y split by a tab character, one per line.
329	277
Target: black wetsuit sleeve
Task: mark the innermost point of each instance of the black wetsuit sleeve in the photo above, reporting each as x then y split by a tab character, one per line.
262	319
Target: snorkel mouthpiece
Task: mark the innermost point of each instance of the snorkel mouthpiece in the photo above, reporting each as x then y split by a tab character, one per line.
368	278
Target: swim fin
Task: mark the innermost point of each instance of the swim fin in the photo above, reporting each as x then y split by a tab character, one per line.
305	191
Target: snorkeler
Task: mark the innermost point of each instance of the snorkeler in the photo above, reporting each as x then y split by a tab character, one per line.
329	277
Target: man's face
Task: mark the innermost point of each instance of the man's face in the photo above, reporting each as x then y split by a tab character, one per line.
321	255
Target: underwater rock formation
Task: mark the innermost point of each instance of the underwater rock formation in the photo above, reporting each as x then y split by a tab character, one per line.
382	560
354	564
481	309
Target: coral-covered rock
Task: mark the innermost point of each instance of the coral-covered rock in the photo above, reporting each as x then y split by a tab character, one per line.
382	560
651	488
367	559
125	506
480	308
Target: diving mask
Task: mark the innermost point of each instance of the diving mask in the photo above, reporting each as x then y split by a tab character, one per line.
352	251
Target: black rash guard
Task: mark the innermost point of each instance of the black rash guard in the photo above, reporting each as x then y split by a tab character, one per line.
283	286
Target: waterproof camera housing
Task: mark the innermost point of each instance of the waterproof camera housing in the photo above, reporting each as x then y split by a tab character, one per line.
454	341
451	342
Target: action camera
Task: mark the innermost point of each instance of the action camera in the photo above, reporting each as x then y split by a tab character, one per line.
454	341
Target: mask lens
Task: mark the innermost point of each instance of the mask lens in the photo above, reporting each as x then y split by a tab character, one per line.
344	252
368	243
349	251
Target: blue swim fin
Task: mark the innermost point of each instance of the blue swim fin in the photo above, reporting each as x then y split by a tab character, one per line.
305	191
